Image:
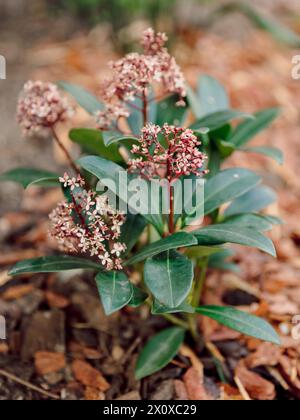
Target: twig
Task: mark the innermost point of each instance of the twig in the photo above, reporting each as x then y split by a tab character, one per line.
242	389
131	349
28	385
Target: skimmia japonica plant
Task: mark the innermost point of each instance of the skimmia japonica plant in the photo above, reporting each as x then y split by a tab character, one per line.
152	130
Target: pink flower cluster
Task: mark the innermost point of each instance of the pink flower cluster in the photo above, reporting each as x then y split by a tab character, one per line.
88	225
181	156
40	107
134	74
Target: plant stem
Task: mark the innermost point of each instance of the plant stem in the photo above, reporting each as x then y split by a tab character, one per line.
171	217
199	285
176	321
67	154
145	109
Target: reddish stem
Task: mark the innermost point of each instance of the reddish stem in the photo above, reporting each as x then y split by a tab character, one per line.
145	109
67	154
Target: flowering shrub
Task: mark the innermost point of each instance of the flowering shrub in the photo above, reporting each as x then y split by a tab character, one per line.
143	135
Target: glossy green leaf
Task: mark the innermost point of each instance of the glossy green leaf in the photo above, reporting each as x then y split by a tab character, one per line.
53	264
253	201
219	261
158	308
175	241
242	322
108	171
251	221
202	251
225	148
226	186
115	290
271	152
219	119
85	99
222	233
169	277
250	128
212	96
29	176
131	230
111	138
91	141
168	112
159	352
138	297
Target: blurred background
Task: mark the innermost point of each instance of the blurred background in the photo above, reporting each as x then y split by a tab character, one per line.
74	39
248	46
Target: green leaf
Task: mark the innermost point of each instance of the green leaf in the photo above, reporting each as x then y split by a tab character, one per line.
159	352
53	264
219	261
252	202
251	221
29	176
250	128
115	290
241	321
222	233
106	170
271	152
101	168
226	186
138	297
219	119
158	308
212	96
91	141
175	241
169	277
202	251
225	148
132	230
84	98
168	112
111	138
280	32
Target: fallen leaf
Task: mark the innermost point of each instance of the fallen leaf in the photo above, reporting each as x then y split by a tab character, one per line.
193	381
15	256
257	387
267	354
16	292
196	362
89	376
93	394
180	390
47	362
4	349
130	396
56	301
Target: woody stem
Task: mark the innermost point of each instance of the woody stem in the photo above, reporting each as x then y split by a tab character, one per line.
65	151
